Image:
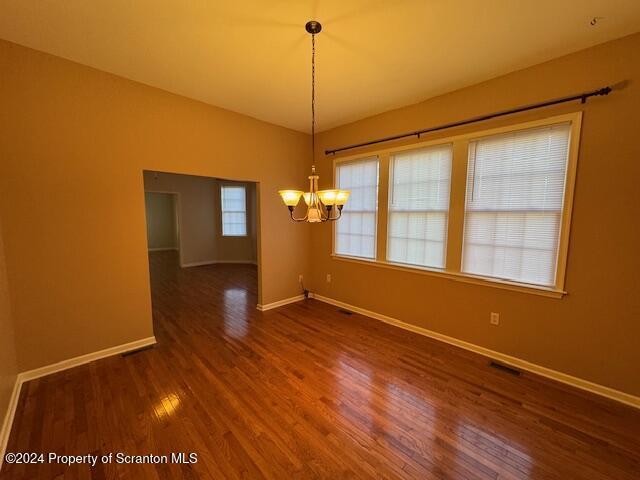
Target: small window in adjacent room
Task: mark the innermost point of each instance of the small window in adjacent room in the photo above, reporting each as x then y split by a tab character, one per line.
234	211
355	232
514	204
419	188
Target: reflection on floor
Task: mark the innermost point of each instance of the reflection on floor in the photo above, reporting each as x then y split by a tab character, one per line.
305	391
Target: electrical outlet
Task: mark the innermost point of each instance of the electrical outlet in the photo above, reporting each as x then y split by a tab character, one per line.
300	278
495	318
328	278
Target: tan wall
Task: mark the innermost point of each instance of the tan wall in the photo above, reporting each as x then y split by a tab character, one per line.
162	228
591	333
8	365
73	144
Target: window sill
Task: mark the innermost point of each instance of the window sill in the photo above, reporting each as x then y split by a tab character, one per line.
457	276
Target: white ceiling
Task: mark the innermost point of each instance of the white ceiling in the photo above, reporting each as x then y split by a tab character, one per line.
252	56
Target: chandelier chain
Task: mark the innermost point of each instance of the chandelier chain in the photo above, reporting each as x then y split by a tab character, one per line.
313	99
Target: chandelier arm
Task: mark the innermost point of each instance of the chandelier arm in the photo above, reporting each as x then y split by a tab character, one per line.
339	210
303	219
322	213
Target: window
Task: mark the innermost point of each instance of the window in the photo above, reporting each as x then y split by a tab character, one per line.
489	207
234	211
514	204
419	187
356	230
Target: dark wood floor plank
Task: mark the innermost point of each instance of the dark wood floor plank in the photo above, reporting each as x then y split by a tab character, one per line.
305	391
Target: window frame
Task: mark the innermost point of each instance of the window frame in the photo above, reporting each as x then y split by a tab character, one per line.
222	211
357	159
455	230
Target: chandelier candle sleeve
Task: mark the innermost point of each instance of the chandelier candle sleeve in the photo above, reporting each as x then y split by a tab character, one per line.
320	203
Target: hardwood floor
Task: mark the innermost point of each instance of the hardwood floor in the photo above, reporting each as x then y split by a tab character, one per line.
305	391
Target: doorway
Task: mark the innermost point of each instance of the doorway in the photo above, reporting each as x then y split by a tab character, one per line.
202	241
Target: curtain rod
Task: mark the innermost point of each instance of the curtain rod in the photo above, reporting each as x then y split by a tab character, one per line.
581	96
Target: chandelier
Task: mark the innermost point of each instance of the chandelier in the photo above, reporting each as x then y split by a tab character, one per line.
320	203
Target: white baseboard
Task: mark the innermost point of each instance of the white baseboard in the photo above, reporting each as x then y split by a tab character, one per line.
242	262
162	249
214	262
580	383
197	264
5	431
24	377
279	303
82	359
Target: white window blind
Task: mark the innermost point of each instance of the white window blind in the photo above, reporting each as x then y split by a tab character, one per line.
419	206
356	230
234	211
514	200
